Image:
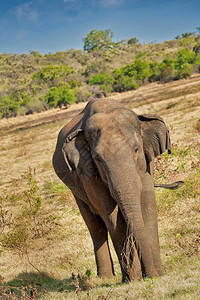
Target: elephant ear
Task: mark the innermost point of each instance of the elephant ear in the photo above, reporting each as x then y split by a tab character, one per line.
77	154
156	138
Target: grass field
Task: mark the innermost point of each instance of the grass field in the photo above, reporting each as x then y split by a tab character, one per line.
45	248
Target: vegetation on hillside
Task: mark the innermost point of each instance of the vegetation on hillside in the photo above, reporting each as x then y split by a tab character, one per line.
36	82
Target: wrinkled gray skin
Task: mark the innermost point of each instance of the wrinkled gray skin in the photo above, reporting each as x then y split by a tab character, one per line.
105	156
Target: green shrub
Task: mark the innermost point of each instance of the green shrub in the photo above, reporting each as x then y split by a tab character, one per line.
123	83
49	73
8	107
184	71
197	62
128	70
183	63
74	83
24	98
167	70
58	96
184	56
105	81
154	71
139	69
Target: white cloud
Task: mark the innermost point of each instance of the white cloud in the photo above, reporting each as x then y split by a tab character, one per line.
26	11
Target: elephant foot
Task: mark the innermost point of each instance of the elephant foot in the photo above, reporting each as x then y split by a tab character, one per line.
160	272
105	274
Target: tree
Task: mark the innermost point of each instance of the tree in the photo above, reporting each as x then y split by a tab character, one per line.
187	34
98	40
198	28
177	37
133	41
184	56
58	96
183	63
184	71
105	81
139	69
123	83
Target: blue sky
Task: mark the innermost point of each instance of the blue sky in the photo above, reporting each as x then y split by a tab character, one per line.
49	26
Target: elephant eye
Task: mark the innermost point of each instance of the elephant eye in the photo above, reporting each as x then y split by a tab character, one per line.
136	149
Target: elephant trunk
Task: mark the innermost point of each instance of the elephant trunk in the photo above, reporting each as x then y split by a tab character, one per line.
125	187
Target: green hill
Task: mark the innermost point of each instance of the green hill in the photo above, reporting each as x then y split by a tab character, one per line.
35	82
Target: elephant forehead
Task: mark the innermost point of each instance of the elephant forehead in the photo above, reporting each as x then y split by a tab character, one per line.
117	118
97	121
110	132
103	106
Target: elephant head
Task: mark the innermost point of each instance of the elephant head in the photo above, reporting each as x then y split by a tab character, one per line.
117	146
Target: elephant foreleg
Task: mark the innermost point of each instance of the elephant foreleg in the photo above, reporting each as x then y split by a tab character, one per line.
149	212
99	234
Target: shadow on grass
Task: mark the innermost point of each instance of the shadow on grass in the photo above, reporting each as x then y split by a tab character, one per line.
42	282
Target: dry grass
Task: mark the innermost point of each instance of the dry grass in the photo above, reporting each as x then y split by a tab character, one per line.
44	244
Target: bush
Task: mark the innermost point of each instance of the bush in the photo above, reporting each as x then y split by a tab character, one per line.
154	71
24	98
105	81
167	70
37	104
82	94
123	83
49	73
139	69
58	96
197	62
19	227
8	107
184	56
184	71
183	63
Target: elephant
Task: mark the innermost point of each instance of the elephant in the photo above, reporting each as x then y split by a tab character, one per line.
105	155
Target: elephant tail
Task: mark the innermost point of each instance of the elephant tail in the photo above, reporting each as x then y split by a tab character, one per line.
170	186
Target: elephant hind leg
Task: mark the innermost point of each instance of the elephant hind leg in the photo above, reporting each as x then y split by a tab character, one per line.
99	234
